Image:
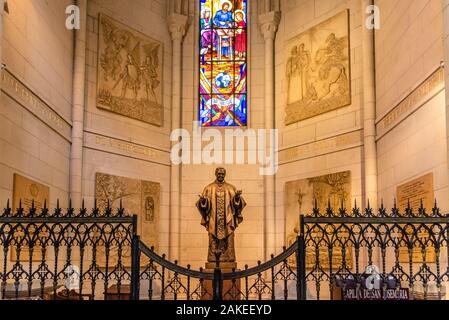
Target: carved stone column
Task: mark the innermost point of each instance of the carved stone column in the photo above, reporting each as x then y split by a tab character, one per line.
2	6
369	110
446	66
269	23
78	98
177	24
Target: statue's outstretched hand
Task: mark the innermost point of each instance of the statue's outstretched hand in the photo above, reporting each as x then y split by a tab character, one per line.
202	198
238	194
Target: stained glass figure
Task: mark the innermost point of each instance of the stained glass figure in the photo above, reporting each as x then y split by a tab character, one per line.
223	65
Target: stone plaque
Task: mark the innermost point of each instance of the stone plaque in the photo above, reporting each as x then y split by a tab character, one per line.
138	197
415	191
28	190
130	67
300	196
318	70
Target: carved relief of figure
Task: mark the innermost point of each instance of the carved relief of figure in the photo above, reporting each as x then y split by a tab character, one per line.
220	206
333	71
111	60
293	236
130	77
298	73
149	71
293	81
149	209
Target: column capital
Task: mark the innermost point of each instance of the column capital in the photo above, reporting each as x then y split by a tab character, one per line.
177	25
269	23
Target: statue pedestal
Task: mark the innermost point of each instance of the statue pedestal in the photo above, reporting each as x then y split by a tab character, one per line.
230	289
222	266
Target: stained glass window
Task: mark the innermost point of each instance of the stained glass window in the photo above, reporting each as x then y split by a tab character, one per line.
223	64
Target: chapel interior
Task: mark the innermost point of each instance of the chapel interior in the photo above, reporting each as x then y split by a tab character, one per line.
96	95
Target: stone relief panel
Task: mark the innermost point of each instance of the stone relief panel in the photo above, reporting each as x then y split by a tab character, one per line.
300	196
318	77
139	197
129	80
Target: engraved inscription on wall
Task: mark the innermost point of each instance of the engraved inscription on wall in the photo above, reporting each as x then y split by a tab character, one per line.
300	196
129	72
431	86
30	101
128	149
321	147
415	191
27	191
138	197
318	70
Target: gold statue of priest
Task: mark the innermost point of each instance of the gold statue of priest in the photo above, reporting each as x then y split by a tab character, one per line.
221	207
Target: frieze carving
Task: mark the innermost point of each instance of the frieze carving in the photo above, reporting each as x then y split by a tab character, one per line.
333	144
417	98
129	149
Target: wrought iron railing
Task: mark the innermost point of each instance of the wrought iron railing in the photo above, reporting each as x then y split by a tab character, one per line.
401	250
257	283
41	251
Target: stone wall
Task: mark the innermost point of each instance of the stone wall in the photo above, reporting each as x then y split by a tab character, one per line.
35	121
250	234
38	51
328	143
411	125
116	144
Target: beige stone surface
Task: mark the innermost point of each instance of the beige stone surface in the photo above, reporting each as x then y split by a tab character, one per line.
36	122
408	48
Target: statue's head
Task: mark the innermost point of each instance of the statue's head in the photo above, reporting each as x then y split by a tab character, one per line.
294	50
220	173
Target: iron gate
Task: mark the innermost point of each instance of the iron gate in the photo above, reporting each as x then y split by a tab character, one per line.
43	251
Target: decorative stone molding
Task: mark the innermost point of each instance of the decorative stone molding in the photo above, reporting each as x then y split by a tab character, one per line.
348	140
28	99
114	145
269	23
177	25
418	97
